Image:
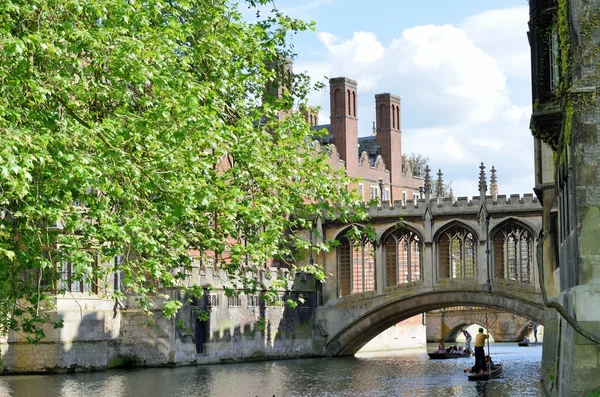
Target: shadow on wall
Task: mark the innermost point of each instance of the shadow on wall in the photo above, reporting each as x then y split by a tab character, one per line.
246	328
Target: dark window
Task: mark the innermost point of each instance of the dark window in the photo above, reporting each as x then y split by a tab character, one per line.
71	282
118	273
234	301
553	55
403	251
457	253
253	301
513	253
211	300
349	104
357	266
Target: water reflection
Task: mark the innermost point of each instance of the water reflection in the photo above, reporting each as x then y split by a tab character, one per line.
404	373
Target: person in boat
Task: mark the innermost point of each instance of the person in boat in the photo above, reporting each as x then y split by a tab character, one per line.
441	347
526	340
469	338
488	363
535	329
460	350
479	352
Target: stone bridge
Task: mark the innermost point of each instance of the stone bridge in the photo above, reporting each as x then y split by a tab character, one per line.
352	322
429	254
503	326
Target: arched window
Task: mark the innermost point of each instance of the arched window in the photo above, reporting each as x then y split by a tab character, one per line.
354	103
381	116
398	117
457	253
356	260
513	253
403	251
349	104
337	95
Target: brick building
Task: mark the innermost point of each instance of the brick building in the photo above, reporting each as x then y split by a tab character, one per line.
375	159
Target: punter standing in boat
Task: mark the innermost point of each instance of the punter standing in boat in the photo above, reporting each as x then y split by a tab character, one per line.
479	351
468	342
441	347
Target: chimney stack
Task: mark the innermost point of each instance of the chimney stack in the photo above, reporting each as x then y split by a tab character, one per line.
344	120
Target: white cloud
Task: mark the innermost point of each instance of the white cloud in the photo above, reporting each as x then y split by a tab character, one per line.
503	35
458	108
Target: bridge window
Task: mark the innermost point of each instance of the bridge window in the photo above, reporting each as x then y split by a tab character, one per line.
357	266
403	257
513	253
457	253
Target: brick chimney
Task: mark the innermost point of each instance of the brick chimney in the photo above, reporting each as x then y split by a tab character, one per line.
311	115
387	116
344	120
282	83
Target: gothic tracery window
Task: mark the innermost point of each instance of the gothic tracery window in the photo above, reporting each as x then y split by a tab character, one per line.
513	253
457	253
356	260
403	252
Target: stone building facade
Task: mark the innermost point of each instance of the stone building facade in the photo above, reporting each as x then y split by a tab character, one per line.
564	36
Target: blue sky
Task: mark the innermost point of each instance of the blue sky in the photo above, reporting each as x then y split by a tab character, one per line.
460	67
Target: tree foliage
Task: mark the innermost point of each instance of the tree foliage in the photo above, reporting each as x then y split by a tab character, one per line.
140	130
416	162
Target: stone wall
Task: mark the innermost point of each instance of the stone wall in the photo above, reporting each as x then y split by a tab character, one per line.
407	334
86	342
95	336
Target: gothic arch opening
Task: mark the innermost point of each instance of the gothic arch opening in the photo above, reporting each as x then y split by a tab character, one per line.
403	252
457	252
356	263
512	246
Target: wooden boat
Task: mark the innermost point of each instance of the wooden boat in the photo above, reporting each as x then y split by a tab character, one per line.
445	356
523	344
486	375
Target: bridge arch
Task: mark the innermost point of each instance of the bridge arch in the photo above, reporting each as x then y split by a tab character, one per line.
437	231
496	325
354	336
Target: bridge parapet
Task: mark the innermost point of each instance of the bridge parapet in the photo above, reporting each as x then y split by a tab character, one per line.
513	203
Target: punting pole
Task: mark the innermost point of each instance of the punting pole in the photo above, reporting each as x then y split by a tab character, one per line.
488	342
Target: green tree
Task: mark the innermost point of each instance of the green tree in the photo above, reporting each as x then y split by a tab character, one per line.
417	163
140	130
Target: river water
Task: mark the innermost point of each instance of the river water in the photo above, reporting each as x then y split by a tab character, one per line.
399	373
